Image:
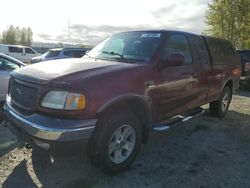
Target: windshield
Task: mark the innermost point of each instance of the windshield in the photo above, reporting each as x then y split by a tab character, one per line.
51	53
128	47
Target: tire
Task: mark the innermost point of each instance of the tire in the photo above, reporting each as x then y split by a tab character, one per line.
220	107
116	142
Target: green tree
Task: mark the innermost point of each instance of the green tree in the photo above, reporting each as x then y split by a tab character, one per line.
29	35
230	19
23	37
16	35
9	36
59	45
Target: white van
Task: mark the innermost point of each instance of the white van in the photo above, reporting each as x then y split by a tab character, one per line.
22	53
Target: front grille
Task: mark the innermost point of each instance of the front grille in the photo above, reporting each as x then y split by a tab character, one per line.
22	94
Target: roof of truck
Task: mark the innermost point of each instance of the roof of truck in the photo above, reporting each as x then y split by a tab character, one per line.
12	45
160	30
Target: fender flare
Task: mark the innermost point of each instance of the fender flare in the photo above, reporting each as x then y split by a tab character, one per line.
127	97
224	84
141	100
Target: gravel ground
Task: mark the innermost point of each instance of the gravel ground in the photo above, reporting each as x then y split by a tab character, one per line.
204	152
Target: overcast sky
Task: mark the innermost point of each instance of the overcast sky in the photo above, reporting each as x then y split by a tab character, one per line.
91	21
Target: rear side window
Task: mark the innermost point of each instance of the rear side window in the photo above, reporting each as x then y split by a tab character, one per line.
221	50
178	44
15	49
200	51
228	49
29	51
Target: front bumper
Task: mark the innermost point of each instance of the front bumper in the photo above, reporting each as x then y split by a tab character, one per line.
48	129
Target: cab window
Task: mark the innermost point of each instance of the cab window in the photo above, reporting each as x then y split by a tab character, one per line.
178	43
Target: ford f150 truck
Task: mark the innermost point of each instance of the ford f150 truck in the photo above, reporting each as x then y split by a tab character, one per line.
129	84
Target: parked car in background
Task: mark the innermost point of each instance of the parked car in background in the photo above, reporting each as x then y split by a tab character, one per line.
7	64
245	66
21	53
245	62
131	83
60	53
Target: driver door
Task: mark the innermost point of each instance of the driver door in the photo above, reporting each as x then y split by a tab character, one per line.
176	83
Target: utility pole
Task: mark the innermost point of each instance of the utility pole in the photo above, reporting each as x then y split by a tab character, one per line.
69	31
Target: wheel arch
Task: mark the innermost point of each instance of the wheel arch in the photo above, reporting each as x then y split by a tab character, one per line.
134	103
229	82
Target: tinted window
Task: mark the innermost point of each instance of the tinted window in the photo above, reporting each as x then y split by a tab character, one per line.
178	44
74	53
6	64
245	55
79	53
29	51
15	49
228	49
199	49
221	50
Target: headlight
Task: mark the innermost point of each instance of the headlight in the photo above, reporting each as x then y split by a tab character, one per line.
64	100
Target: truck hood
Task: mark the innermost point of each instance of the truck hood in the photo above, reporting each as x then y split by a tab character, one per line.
45	72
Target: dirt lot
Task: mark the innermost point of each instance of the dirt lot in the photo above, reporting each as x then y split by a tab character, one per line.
204	152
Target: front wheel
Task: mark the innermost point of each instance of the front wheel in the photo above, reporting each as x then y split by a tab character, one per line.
220	107
116	141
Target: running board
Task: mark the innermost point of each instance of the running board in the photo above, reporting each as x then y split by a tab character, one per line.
177	119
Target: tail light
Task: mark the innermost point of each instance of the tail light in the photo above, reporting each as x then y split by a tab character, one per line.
236	72
247	67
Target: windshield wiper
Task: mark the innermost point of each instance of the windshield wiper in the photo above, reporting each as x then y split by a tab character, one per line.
114	53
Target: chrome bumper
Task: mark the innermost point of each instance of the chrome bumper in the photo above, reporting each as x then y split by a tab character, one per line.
48	128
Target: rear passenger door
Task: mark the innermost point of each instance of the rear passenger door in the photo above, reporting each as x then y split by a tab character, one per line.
202	66
177	84
223	61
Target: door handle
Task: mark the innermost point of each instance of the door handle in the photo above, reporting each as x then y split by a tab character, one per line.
194	76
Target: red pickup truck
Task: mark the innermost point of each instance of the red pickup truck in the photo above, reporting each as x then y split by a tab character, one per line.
129	84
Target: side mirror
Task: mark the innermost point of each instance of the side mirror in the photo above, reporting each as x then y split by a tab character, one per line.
175	59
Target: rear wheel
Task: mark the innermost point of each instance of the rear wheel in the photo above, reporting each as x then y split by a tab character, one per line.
116	142
220	107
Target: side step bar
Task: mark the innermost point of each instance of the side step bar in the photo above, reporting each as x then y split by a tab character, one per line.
177	119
